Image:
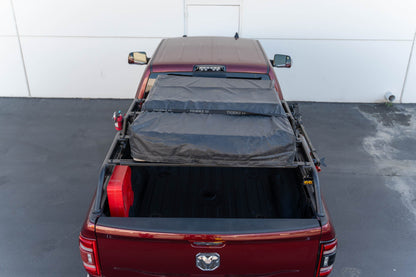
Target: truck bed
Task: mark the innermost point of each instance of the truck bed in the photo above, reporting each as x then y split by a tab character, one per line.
218	192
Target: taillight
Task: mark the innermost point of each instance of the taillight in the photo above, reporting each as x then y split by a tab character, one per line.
89	255
327	258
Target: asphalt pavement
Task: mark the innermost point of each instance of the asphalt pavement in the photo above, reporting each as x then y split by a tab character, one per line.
51	151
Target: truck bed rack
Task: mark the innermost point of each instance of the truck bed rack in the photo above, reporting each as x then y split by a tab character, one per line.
306	158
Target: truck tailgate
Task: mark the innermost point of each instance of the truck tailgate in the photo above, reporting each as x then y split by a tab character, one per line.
243	247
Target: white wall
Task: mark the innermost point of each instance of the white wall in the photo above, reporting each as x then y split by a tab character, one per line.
79	48
346	50
83	67
201	22
12	76
342	50
409	89
341	71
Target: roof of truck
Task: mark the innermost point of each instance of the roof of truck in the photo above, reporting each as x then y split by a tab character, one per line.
237	55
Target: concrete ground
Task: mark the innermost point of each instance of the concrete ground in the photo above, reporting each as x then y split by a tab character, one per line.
51	151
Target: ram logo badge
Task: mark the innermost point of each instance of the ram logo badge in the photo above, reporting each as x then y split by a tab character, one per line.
207	261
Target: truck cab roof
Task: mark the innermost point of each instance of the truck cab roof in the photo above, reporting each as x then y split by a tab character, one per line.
237	55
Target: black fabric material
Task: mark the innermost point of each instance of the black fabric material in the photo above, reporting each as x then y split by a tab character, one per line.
213	95
212	139
207	137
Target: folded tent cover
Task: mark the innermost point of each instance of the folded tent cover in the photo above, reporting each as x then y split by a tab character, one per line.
212	122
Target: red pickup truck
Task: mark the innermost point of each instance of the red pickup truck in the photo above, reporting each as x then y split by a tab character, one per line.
211	174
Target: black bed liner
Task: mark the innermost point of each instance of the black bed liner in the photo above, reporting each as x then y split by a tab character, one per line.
218	192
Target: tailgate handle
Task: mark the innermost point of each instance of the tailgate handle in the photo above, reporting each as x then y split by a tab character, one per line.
208	243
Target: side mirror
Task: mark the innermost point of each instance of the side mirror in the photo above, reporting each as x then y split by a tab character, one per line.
282	61
138	58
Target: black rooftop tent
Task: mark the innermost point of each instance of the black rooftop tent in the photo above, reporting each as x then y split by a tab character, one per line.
213	122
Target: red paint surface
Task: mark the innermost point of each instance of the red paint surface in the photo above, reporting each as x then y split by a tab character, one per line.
328	230
181	54
143	83
255	255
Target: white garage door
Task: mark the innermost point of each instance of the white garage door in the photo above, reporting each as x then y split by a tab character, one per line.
205	20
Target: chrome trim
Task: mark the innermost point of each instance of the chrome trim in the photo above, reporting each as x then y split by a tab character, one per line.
207	261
